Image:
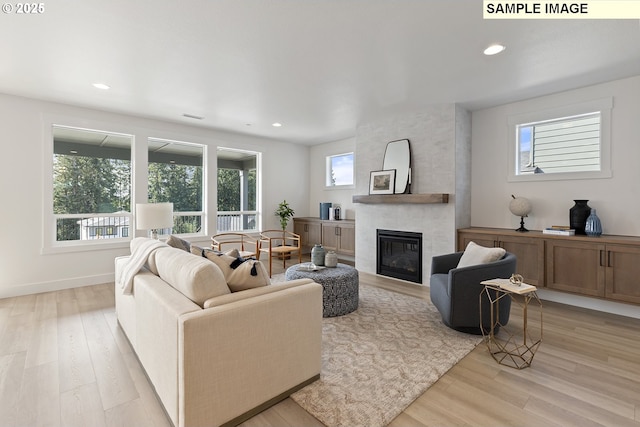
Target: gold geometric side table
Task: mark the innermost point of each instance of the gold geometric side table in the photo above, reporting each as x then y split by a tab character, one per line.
509	345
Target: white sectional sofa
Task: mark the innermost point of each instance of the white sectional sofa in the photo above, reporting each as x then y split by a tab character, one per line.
215	357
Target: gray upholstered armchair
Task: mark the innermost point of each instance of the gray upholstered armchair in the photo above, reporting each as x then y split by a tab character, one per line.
455	291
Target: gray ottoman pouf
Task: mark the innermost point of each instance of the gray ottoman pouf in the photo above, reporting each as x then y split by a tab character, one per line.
339	284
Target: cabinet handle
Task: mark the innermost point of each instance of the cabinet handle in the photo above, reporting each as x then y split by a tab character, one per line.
601	258
306	227
337	231
609	259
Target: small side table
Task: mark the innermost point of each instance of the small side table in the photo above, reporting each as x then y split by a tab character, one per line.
511	346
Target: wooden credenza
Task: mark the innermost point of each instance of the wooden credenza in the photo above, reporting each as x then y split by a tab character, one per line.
605	267
339	236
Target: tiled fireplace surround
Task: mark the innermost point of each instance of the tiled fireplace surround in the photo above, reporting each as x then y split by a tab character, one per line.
440	140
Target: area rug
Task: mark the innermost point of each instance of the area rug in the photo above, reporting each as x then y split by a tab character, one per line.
380	358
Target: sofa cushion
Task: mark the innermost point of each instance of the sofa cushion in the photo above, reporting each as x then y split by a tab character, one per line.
240	273
151	264
178	243
475	254
194	277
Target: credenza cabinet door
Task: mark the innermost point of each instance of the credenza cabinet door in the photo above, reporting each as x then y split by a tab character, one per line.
622	273
310	232
576	267
339	237
530	257
329	237
528	251
486	240
347	240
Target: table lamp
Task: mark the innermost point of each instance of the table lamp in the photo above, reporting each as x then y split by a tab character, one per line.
521	207
154	216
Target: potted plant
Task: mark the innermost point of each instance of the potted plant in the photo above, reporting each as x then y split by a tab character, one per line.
285	213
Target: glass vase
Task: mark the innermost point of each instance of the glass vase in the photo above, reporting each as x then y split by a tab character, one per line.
593	226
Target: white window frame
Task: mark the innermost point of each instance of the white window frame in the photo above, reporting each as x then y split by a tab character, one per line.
49	243
603	106
202	214
327	173
258	211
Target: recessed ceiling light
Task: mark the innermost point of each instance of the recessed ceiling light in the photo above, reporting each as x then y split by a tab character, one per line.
101	86
494	49
276	125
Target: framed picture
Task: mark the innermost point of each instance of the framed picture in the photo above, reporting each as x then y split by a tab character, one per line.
382	182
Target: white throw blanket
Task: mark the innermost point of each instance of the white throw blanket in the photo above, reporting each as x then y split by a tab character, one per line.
142	248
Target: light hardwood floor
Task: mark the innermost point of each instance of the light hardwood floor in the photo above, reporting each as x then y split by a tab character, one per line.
65	362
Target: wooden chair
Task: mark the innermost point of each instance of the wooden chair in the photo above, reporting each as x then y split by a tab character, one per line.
281	243
247	246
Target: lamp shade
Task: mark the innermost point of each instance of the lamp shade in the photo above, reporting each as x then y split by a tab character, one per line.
151	216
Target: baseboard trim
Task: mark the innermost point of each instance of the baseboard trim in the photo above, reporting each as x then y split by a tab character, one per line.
55	285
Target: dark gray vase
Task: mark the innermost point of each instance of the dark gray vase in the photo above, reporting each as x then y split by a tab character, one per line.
578	215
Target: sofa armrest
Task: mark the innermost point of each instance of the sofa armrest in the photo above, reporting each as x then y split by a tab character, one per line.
237	356
250	293
158	310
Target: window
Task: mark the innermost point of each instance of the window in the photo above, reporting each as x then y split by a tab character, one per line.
238	195
339	170
176	175
567	143
91	184
570	144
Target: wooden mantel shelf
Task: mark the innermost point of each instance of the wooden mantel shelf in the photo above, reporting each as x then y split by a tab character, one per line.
402	198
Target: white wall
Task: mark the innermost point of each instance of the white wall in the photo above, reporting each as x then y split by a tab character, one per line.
318	192
614	198
24	269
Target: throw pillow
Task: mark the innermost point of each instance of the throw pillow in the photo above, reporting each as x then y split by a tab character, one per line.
240	273
475	254
179	243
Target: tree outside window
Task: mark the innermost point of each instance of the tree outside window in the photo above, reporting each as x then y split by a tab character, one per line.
91	183
176	175
237	190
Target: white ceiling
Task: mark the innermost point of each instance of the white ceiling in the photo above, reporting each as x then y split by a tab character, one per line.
320	67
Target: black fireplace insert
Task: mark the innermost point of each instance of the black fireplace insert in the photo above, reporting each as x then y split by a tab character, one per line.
399	255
